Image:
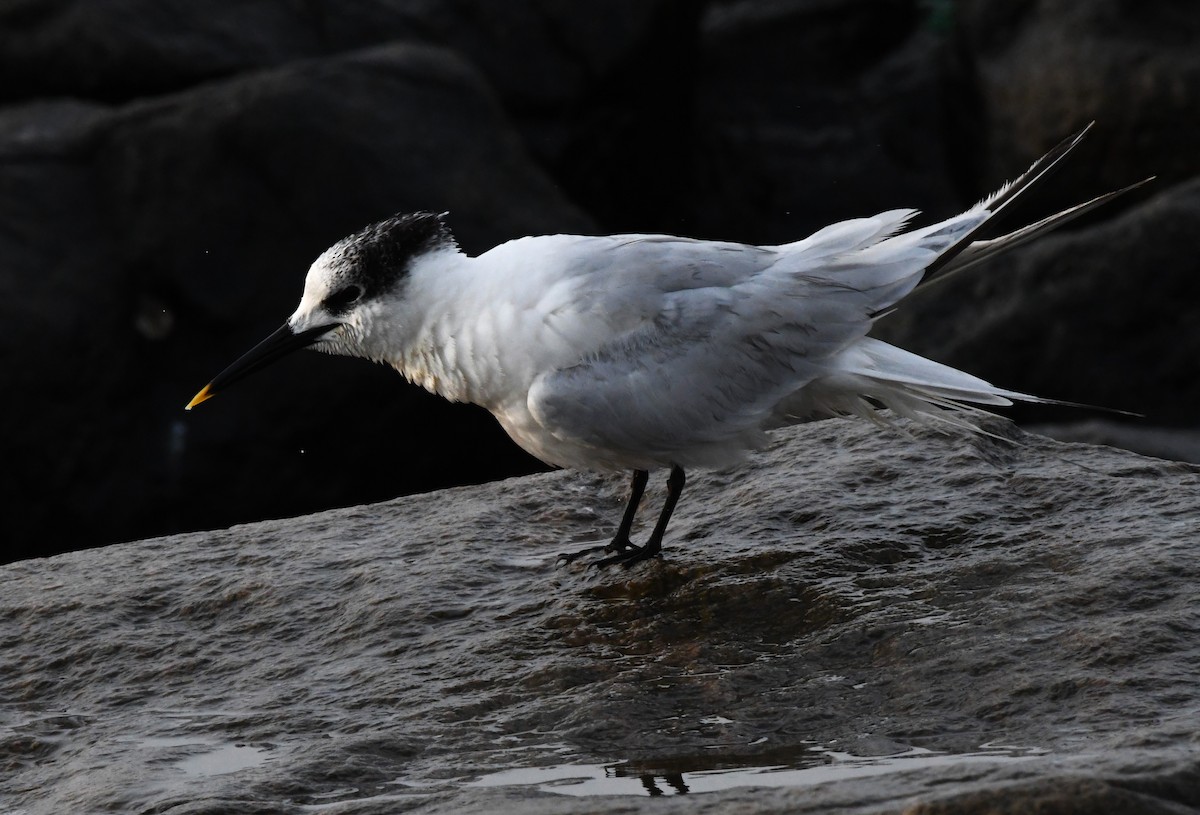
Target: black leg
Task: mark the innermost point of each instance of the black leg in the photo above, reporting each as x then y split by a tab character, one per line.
638	486
620	542
675	484
653	548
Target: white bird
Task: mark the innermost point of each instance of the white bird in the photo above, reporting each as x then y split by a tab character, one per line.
639	352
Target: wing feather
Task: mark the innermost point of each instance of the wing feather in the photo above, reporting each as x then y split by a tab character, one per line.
701	345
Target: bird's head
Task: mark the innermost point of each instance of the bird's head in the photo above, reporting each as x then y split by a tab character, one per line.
351	296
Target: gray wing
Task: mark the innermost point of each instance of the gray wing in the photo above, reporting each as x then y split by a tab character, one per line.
697	375
722	336
708	365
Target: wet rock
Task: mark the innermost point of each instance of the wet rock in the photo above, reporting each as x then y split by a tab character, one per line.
853	621
163	190
1059	796
150	244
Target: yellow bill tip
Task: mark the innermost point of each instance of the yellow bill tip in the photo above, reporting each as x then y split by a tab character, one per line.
204	395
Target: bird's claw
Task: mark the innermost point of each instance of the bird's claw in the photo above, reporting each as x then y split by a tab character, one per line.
628	556
619	550
567	558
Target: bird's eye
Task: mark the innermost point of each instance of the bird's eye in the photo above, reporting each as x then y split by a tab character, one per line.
342	299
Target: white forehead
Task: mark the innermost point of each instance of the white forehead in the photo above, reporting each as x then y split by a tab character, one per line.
323	277
326	273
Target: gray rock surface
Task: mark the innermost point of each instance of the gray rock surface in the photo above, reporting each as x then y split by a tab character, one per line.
855	621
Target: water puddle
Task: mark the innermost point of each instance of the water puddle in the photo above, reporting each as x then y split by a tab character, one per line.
223	759
826	765
199	756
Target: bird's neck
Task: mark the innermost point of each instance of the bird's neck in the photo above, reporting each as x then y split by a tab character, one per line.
446	336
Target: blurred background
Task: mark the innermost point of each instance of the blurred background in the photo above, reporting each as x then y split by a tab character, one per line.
169	169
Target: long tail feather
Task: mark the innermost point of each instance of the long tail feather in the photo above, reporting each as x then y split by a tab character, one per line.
998	201
978	251
903	378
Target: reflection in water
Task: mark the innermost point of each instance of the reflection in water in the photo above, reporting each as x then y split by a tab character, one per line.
673	780
650	778
821	765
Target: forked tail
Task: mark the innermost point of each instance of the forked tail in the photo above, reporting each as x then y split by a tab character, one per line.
974	247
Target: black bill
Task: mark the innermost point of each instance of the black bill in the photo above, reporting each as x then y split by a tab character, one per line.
281	343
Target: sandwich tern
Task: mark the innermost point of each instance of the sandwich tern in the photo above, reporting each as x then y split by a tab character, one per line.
638	352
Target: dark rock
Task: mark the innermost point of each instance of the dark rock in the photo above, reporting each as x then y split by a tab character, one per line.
1039	70
808	113
1094	316
626	147
855	620
147	245
599	93
162	195
534	53
1160	442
